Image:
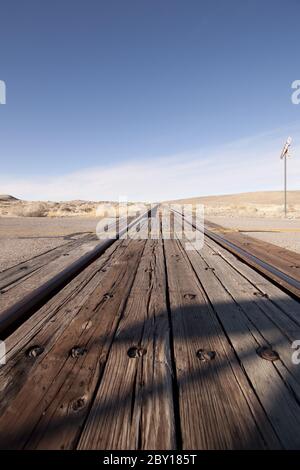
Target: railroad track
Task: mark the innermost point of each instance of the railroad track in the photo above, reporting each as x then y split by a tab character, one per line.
284	279
147	345
288	282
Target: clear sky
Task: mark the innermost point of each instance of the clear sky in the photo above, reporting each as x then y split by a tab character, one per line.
147	98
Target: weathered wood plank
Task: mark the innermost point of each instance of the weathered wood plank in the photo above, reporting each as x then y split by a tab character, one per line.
135	398
265	318
48	420
47	324
213	409
230	300
61	308
267	289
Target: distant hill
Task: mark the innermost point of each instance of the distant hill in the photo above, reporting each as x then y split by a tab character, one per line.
258	204
7	198
260	197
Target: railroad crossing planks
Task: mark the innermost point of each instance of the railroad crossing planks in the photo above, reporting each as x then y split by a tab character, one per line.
213	407
60	384
135	397
155	347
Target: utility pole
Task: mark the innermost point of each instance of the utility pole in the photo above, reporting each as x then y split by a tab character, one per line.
284	154
285	188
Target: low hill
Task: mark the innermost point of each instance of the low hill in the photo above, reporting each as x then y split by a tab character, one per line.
7	198
262	197
256	204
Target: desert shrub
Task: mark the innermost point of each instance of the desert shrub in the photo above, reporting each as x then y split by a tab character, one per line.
33	209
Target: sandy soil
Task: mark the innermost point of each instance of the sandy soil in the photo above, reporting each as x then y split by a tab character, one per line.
22	239
281	232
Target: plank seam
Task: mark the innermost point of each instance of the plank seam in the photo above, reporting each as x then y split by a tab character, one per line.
175	387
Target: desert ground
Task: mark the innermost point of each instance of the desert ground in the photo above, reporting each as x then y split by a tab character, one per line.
28	228
25	238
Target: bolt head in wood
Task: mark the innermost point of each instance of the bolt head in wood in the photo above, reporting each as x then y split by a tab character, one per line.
261	294
34	351
135	352
189	296
77	351
204	355
267	353
107	296
78	404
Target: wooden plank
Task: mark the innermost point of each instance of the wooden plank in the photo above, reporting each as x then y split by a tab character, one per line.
266	289
12	294
135	397
274	325
279	403
213	409
65	304
267	322
46	326
47	420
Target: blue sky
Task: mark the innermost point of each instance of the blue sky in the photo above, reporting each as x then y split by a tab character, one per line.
125	97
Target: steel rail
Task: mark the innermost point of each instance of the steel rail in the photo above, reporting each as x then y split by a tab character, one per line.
276	275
